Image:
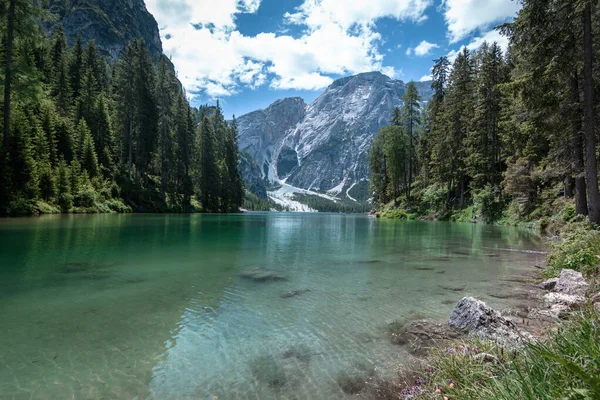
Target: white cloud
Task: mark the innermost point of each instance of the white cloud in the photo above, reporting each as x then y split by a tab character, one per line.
489	37
466	16
424	48
425	78
317	13
217	59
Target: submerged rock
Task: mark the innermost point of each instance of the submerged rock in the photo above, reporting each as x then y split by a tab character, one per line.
475	317
261	275
571	282
420	335
453	289
293	293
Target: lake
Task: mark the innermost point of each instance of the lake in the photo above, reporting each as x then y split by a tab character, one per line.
154	307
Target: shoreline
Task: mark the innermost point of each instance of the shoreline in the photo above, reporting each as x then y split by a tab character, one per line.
429	341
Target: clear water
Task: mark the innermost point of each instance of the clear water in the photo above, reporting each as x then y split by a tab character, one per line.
152	307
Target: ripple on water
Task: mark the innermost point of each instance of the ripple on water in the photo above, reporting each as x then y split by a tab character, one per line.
164	307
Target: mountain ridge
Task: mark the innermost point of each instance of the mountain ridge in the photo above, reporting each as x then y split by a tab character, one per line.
324	149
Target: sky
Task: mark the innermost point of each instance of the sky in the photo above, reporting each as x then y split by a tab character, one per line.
249	53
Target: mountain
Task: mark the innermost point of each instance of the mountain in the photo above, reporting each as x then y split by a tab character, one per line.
111	23
323	147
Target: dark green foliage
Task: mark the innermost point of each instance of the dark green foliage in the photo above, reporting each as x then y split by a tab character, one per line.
393	156
87	135
208	175
506	136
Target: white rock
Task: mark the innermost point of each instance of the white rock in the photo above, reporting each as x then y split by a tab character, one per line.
571	282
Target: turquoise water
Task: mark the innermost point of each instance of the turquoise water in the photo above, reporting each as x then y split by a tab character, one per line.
153	307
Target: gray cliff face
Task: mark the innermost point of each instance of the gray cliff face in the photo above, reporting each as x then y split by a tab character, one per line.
253	179
110	23
327	149
260	132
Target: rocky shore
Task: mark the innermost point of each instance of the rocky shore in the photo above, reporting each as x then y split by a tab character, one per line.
474	321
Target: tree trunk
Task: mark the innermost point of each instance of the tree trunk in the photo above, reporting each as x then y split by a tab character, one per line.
8	72
577	144
591	169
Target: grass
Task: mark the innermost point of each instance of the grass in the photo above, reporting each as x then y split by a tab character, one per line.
566	365
578	249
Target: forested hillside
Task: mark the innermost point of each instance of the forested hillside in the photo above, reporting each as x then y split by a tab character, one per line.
82	133
507	135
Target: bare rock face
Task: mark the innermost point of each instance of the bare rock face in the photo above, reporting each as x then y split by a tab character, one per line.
324	146
475	317
112	24
571	282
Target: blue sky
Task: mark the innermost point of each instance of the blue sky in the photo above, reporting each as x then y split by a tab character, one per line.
249	53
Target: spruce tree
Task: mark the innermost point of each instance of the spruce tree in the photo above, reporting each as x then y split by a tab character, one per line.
208	168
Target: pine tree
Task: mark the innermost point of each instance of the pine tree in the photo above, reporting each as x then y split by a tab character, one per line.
22	160
231	160
378	167
103	134
59	50
63	186
482	142
411	115
208	168
460	103
89	159
125	96
164	99
146	115
76	66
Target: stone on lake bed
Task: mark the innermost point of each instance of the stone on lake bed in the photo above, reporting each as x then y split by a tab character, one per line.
293	293
261	275
453	289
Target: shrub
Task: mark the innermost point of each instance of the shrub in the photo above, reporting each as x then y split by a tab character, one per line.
65	202
488	201
577	250
395	214
435	197
86	197
22	208
568	212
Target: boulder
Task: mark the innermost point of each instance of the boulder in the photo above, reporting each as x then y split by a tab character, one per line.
569	300
475	317
571	282
549	284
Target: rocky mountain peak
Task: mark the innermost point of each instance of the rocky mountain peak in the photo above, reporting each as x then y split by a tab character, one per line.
323	147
